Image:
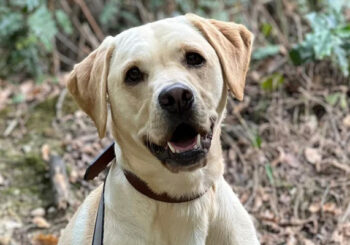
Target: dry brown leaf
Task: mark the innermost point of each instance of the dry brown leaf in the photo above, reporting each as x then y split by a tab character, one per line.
38	212
346	121
312	155
5	240
45	152
314	207
330	207
43	239
40	222
26	88
308	242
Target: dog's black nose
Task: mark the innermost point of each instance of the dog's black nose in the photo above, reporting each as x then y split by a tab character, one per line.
176	98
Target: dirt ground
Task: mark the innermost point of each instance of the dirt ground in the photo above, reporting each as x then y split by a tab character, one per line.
287	154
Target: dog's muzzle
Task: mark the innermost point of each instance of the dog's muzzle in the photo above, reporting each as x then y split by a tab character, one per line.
188	142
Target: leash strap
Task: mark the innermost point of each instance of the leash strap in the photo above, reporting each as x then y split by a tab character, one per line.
100	219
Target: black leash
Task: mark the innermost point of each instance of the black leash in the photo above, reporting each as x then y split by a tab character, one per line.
100	219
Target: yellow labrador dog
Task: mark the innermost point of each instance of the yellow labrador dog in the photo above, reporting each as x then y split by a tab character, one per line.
166	83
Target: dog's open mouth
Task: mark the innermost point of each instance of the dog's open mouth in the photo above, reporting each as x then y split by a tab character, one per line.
185	138
185	148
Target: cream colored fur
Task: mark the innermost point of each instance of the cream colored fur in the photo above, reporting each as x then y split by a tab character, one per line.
217	217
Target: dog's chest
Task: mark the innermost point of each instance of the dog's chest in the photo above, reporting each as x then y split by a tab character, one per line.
158	224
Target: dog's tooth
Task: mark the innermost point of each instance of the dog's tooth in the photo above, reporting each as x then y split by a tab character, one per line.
171	148
198	141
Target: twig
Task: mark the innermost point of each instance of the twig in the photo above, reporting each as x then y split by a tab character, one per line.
144	14
68	43
346	214
66	60
59	181
59	104
11	127
272	21
90	36
91	19
341	166
78	25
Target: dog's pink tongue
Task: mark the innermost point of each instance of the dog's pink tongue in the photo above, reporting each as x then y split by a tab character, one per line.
184	145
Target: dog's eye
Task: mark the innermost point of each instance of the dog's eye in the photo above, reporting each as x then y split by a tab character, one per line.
194	59
133	75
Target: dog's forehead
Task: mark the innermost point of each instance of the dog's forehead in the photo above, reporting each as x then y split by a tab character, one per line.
168	33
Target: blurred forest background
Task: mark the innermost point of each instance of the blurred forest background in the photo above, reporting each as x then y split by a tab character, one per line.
287	145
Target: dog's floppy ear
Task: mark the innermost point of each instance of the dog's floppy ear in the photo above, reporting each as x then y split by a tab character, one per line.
233	45
88	84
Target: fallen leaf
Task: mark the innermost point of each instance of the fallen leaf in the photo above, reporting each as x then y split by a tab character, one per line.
308	242
26	89
330	207
312	155
346	121
45	152
43	239
38	212
5	240
40	222
314	207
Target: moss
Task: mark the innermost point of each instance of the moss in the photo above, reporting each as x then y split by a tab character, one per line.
29	186
41	116
4	113
35	162
69	105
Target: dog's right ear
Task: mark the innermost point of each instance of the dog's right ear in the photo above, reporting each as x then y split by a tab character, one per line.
88	84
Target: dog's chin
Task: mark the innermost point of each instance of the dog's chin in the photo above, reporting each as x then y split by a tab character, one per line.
186	148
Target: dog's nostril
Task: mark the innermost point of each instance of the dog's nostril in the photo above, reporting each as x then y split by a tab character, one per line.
176	98
166	100
187	95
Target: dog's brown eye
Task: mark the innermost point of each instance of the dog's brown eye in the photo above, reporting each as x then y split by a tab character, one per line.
133	75
194	59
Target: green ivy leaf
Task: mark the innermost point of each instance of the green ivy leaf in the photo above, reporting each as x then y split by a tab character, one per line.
10	23
342	60
322	44
43	26
109	12
264	52
64	22
343	31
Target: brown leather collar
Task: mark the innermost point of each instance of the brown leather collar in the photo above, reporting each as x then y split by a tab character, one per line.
143	188
101	162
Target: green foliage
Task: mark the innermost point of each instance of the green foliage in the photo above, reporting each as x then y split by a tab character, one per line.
269	173
256	141
329	37
264	52
27	31
272	82
337	98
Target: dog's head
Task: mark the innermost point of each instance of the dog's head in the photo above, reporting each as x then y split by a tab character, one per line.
166	83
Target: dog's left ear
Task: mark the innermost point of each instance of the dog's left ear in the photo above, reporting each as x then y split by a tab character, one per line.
233	45
88	84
